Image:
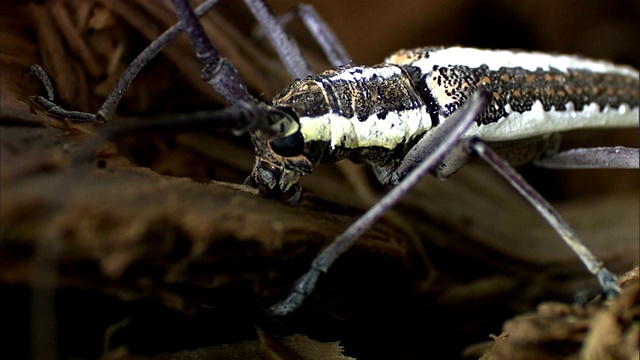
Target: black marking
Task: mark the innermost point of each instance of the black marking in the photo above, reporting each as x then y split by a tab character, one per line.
334	91
451	86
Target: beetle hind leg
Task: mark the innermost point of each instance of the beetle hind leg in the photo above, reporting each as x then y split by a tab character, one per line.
608	280
617	157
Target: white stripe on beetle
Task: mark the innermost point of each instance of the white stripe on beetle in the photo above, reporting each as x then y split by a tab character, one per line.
538	121
495	59
352	133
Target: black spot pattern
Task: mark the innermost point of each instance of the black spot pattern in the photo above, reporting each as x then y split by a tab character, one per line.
451	86
442	90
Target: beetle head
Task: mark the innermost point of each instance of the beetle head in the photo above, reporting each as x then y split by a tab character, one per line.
280	159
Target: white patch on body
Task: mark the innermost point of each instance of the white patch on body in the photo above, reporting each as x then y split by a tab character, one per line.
495	59
365	73
537	121
404	125
353	133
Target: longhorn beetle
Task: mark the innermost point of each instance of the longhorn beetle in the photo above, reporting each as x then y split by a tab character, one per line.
421	110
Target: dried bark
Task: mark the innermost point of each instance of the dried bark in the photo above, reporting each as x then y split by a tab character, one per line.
563	331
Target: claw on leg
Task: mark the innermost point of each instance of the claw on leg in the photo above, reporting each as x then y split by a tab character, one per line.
48	104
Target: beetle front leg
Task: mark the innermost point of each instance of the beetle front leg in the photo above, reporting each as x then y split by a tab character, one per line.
48	103
218	71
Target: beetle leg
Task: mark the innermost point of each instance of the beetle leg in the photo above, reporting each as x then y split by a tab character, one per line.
48	104
607	279
288	50
324	36
218	71
444	138
108	109
617	157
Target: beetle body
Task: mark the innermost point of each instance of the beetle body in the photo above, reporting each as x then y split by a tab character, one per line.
376	114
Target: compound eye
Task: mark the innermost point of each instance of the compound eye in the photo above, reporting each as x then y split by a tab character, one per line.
291	145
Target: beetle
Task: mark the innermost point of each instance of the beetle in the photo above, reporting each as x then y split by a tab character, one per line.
422	110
